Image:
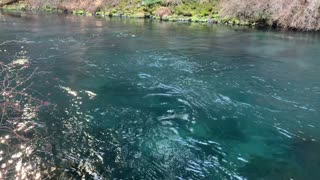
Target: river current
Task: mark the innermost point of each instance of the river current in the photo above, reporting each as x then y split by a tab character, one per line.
136	99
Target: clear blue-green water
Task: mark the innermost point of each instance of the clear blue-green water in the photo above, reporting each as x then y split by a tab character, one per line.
136	99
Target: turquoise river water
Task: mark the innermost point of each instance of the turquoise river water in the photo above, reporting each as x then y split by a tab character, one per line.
136	99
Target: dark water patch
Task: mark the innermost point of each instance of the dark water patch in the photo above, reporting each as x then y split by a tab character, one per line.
265	168
300	160
305	153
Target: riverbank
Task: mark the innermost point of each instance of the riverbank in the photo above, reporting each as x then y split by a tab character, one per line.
301	15
189	11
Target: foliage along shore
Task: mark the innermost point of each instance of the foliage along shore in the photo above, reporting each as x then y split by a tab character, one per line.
203	11
286	14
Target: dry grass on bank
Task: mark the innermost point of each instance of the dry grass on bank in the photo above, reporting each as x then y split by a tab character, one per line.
288	14
163	11
90	6
69	5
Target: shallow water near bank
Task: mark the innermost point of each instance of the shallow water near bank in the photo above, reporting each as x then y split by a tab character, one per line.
137	99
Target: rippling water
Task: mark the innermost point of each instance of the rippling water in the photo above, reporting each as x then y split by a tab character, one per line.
146	100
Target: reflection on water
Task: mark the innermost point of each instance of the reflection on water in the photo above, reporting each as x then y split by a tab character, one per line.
144	100
21	132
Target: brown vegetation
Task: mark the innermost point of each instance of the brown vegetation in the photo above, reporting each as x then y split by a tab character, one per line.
288	14
163	11
89	6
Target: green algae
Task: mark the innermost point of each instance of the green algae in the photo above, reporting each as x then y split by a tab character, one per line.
79	12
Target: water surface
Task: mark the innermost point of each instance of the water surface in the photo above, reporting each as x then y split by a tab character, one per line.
137	99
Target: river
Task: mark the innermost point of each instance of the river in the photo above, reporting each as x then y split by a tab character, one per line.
136	99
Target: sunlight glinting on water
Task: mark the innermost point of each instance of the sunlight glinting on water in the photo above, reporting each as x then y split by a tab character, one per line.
138	99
